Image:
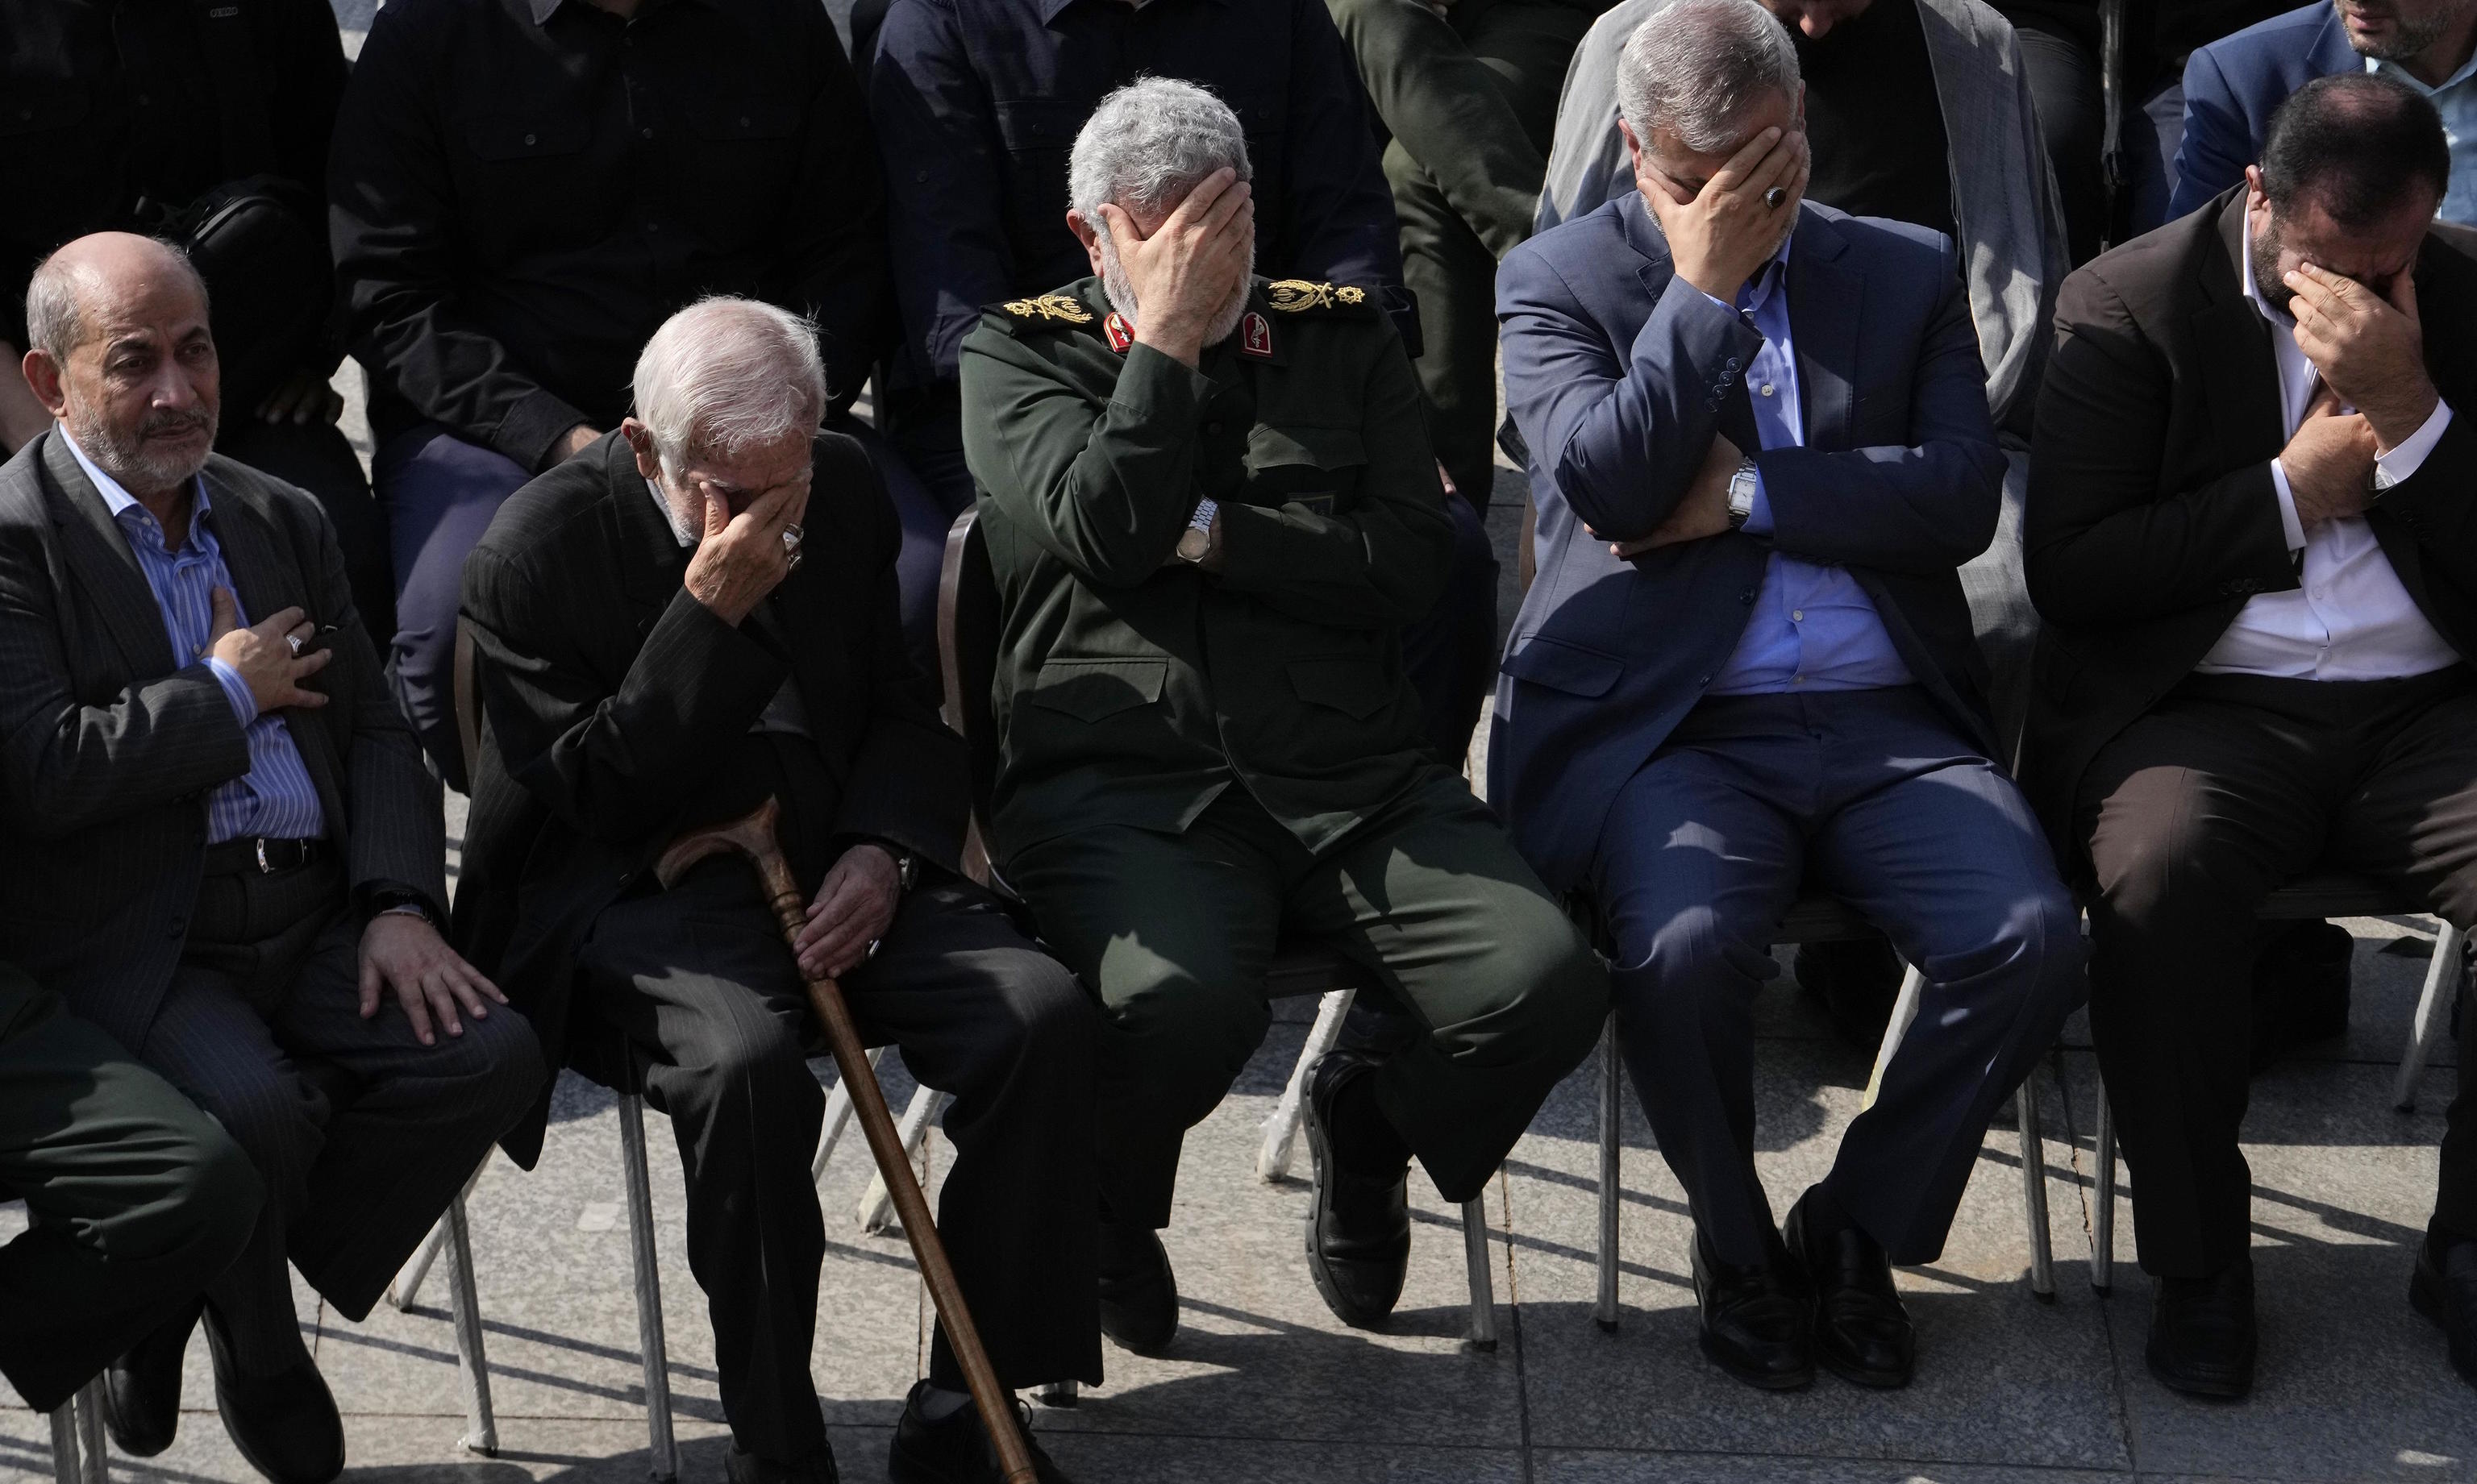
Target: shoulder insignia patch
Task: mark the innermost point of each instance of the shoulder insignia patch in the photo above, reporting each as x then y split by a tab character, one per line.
1060	307
1293	296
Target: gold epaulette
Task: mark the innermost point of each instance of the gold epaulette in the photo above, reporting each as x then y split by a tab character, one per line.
1301	296
1062	307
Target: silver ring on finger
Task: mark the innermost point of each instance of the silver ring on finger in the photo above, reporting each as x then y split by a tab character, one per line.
873	945
1776	197
293	640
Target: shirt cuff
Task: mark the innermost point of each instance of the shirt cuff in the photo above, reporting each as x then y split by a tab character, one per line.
237	691
2288	518
2400	464
1759	519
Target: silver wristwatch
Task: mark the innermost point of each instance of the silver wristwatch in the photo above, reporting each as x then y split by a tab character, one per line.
1197	538
1741	494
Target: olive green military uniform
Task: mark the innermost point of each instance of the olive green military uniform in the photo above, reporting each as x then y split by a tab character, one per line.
1195	765
1469	97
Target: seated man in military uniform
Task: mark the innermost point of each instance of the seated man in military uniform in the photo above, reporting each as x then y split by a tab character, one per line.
1210	507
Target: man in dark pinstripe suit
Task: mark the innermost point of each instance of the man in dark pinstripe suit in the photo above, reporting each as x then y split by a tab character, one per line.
218	841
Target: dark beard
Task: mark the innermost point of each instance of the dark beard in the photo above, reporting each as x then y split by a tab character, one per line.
2267	281
2413	38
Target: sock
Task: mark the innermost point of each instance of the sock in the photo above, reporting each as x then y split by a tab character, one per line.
936	1403
1364	1138
1824	1217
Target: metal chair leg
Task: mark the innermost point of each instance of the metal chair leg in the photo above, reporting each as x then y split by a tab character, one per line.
1905	1010
876	1206
1482	1333
472	1360
1281	1125
838	1112
1057	1394
663	1452
94	1466
1604	1311
2103	1212
2034	1188
2433	1009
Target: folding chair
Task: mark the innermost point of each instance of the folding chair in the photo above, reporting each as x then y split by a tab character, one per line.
967	626
78	1452
2312	896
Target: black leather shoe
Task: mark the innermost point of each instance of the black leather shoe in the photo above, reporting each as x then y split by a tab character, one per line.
1758	1319
1862	1332
817	1467
1358	1222
957	1450
283	1425
1138	1292
2202	1336
2444	1290
142	1390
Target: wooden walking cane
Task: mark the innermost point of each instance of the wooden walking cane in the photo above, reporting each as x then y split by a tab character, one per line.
753	836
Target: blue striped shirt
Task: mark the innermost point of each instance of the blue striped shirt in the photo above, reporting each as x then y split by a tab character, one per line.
276	797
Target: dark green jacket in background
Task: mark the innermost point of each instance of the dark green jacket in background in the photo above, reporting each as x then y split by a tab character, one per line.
1133	687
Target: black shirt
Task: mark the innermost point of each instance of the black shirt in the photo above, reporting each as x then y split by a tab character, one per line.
977	103
1874	121
525	189
108	104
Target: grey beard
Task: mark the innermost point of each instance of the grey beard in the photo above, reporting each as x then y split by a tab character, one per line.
2412	39
129	461
1121	294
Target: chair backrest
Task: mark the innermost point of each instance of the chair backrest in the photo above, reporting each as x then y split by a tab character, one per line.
968	660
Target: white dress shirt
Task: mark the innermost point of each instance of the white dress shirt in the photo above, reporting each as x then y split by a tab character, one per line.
2350	619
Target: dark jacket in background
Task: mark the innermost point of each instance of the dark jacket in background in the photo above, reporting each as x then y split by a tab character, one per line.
2152	517
977	102
107	103
111	744
525	189
616	711
2232	86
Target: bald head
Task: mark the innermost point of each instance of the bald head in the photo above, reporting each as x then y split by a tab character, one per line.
120	352
86	281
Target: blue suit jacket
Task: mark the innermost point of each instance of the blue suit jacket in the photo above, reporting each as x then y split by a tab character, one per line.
2232	84
1618	376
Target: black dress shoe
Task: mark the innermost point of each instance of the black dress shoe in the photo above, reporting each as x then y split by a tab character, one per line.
1862	1332
2202	1336
283	1425
1138	1292
956	1450
1758	1319
818	1467
142	1390
1359	1221
2444	1290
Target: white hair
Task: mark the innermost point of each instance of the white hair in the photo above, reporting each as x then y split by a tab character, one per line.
1695	67
725	375
1147	145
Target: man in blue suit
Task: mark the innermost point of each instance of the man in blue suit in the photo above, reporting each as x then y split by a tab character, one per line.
1761	451
2232	86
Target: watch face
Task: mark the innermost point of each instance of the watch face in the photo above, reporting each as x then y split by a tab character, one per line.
1192	544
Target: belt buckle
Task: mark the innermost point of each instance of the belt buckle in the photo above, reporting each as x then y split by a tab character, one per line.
265	866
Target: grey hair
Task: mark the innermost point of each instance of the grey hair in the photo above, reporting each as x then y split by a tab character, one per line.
1695	67
727	375
1147	145
55	321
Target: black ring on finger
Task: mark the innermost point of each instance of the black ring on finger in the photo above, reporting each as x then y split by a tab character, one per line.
1775	196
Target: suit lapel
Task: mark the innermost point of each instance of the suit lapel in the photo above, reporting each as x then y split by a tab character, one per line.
2240	370
1826	303
99	554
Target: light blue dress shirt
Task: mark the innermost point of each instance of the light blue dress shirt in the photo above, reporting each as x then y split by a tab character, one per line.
276	797
2456	100
1812	627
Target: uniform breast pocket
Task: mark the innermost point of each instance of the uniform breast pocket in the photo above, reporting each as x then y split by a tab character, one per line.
742	149
526	157
39	104
1316	468
1093	690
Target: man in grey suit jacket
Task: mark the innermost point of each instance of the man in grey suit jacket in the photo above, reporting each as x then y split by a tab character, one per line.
1761	450
218	841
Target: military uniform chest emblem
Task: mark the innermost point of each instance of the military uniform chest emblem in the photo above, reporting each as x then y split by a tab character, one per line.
1255	336
1060	307
1291	296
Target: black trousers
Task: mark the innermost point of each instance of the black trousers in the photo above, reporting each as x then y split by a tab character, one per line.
361	1134
138	1199
2230	786
699	983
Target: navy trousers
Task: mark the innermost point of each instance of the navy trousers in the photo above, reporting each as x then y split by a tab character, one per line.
1877	798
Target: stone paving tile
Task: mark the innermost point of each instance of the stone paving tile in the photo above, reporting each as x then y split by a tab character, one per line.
1607	1466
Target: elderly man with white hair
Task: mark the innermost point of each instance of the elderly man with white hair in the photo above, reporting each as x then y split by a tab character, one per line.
1210	507
1762	451
694	614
